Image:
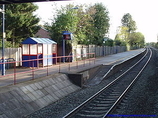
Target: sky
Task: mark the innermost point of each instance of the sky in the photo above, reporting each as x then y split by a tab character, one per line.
143	12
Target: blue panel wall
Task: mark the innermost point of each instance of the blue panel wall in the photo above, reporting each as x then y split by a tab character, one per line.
35	63
54	59
29	63
25	57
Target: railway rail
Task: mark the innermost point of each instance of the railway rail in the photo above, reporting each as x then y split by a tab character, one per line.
101	104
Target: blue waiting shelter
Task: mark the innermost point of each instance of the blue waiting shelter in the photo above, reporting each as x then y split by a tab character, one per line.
38	48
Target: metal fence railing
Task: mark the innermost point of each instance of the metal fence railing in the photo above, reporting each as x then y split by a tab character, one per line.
18	74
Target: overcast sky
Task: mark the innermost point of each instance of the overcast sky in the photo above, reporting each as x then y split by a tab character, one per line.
144	12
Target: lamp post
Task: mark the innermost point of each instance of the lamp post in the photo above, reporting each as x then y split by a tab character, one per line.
66	36
63	49
3	37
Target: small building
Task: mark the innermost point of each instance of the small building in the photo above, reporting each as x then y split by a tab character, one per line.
38	52
42	33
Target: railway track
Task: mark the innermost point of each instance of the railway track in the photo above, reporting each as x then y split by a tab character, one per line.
101	104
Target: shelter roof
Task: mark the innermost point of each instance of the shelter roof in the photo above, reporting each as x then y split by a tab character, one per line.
32	40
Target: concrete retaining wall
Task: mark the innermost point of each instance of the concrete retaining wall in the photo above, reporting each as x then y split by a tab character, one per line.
80	78
25	98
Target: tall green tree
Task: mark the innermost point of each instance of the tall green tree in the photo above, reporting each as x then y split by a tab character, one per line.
20	21
65	20
109	42
136	39
123	34
127	21
124	31
118	42
83	26
88	24
101	23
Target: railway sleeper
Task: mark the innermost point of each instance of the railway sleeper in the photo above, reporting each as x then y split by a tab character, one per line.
103	102
115	93
88	116
104	99
92	112
103	108
113	96
98	105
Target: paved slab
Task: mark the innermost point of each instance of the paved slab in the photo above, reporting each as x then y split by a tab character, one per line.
110	59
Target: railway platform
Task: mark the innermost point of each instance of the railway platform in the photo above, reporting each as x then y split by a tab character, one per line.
18	75
30	95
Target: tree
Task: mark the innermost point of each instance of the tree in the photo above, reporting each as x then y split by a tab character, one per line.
88	24
65	20
117	42
127	21
128	27
136	39
83	26
123	34
101	23
20	21
109	42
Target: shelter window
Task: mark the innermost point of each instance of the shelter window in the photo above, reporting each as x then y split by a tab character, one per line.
40	48
33	48
25	49
49	48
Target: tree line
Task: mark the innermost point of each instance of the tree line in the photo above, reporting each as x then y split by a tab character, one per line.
89	24
127	35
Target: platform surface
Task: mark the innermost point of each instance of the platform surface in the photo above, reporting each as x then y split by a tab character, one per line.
24	74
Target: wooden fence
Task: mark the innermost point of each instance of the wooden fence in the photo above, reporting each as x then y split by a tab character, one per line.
79	52
12	54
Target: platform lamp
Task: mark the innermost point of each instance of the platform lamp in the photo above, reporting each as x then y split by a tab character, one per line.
3	37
